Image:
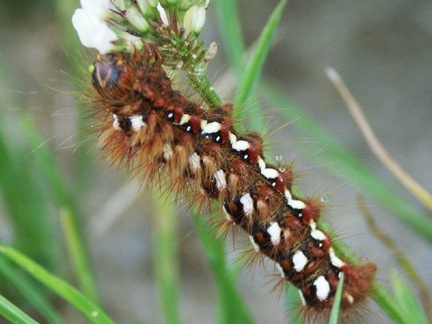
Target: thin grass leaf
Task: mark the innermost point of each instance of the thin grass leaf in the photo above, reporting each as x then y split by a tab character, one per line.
13	313
401	258
232	308
334	315
408	303
33	293
386	302
231	33
24	198
254	67
165	261
87	307
352	168
64	200
78	253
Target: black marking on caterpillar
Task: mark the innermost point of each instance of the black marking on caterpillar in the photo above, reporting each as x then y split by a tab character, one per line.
156	130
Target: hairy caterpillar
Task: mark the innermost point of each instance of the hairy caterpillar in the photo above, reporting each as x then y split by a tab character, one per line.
165	137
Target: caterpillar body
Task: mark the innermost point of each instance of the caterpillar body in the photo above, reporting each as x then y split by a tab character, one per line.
163	136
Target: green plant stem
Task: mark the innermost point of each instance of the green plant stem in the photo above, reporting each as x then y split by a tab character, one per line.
165	256
200	83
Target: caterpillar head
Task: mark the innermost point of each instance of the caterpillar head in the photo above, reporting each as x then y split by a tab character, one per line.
112	77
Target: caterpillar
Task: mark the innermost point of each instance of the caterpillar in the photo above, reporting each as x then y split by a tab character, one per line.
163	136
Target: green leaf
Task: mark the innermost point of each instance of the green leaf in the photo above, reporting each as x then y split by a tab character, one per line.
13	313
89	309
254	67
408	303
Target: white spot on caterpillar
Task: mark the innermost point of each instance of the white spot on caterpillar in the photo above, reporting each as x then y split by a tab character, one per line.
274	230
116	124
232	138
241	146
278	266
338	263
137	122
318	235
255	246
269	173
185	118
303	300
194	162
312	225
299	260
296	204
350	298
220	179
211	128
322	288
247	202
261	164
167	151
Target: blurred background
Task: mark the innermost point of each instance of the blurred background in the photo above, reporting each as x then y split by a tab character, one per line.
381	48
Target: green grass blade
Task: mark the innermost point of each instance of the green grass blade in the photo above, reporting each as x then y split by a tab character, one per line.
231	33
254	67
28	288
165	260
64	200
24	198
13	313
78	254
409	305
334	315
232	308
87	307
386	302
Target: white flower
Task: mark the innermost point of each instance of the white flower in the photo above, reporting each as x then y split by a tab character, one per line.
194	19
101	9
162	14
89	22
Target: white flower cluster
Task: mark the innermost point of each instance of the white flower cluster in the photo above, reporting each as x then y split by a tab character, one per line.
116	25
